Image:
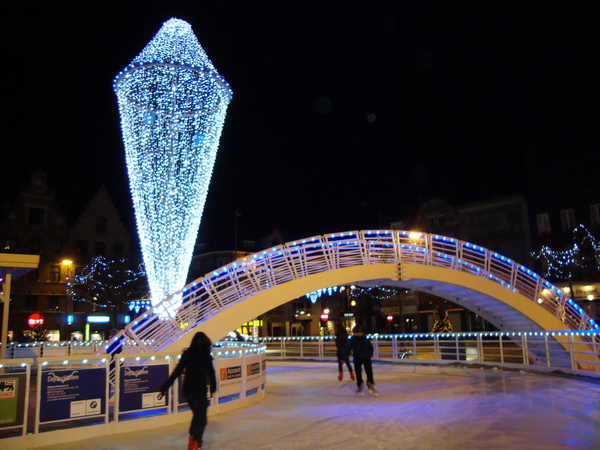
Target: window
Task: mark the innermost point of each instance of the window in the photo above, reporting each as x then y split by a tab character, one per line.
35	244
567	217
78	306
36	216
118	250
543	224
53	303
31	303
514	221
431	222
81	247
54	273
100	248
595	214
10	243
101	225
56	245
441	221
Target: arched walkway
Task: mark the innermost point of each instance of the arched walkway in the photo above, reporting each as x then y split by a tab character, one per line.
507	294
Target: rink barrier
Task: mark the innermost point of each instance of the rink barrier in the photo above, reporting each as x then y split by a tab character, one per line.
56	399
535	350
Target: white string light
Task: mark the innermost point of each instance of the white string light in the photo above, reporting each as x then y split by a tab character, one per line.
172	103
560	264
375	292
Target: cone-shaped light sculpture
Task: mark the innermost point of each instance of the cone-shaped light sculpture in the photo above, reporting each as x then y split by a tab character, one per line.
172	104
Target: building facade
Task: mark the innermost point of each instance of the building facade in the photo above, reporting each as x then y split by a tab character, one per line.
33	223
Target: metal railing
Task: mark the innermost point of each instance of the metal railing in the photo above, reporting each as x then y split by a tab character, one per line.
532	350
260	271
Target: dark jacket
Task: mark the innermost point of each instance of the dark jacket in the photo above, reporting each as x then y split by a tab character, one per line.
199	372
360	347
341	339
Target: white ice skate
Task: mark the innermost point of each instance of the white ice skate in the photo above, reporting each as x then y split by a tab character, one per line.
372	389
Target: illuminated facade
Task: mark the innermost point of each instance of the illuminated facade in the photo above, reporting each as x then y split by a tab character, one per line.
172	104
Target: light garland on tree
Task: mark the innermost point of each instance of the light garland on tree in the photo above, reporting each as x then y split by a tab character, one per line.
172	104
560	263
102	269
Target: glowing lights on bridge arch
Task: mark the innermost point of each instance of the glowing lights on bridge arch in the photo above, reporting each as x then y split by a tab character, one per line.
172	104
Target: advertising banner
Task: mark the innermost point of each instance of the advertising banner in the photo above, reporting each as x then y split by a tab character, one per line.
72	394
264	372
139	387
229	377
12	399
253	374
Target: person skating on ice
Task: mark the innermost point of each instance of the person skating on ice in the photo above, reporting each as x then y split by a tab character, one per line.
362	351
199	372
341	339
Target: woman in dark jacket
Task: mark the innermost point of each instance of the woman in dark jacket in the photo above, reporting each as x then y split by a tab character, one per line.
341	339
199	372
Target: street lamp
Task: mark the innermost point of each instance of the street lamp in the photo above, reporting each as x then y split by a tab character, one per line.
68	267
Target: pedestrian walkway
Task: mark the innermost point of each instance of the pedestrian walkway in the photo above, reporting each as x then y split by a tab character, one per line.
419	407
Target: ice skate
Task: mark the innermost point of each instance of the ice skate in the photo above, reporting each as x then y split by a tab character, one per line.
341	376
359	389
352	377
372	389
193	444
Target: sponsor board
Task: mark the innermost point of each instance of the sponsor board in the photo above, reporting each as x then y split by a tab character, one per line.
72	394
139	387
9	400
230	377
253	372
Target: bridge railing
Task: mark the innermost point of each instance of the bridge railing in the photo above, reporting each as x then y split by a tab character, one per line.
532	350
260	271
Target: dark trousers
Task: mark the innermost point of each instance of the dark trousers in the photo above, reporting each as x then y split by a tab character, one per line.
358	364
341	361
198	407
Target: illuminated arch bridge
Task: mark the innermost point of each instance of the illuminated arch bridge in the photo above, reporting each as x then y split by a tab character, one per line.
503	292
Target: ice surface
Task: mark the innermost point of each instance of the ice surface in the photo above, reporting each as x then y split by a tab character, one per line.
419	407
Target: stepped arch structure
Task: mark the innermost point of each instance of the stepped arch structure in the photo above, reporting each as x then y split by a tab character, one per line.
505	293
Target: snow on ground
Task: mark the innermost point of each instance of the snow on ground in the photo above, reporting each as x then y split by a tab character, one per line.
419	407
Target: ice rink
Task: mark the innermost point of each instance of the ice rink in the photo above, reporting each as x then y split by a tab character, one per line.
419	407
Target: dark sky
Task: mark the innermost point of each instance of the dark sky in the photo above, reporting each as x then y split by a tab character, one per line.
344	114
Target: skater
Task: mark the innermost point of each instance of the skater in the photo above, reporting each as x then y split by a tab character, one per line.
341	339
199	372
362	350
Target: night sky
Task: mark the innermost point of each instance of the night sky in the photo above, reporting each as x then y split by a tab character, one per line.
345	114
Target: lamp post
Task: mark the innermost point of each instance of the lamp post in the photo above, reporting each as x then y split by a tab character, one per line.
67	264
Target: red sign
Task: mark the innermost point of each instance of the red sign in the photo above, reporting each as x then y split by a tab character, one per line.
324	316
35	319
390	318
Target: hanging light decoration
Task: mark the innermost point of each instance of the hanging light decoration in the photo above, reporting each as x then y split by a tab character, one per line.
315	295
375	292
172	104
